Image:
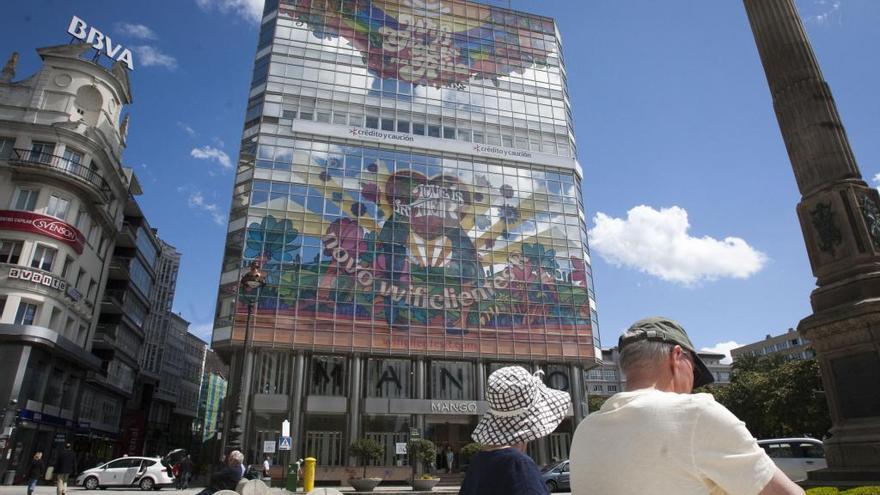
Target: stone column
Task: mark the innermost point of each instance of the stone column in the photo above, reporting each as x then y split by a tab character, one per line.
354	403
577	394
840	219
421	393
481	380
297	431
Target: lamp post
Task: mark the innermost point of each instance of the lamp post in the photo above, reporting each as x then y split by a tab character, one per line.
251	282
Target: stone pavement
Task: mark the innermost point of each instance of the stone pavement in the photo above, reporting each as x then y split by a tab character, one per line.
50	490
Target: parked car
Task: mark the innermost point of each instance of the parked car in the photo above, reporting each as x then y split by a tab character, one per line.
556	476
146	473
795	456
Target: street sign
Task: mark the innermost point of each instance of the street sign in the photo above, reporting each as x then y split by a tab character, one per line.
285	428
269	446
400	448
284	443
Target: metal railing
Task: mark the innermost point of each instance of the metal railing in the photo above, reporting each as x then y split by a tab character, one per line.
61	164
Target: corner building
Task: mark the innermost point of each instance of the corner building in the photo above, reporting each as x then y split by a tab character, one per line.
408	182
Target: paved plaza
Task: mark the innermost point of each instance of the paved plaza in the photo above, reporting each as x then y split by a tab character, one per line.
50	490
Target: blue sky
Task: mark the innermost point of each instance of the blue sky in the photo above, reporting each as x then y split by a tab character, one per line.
681	151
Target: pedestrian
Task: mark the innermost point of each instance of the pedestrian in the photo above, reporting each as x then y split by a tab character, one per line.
35	470
186	471
267	467
450	458
65	465
227	477
521	409
658	437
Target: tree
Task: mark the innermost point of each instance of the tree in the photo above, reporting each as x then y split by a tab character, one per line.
422	451
594	403
470	450
367	450
776	397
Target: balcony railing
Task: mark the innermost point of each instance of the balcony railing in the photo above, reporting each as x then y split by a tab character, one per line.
63	165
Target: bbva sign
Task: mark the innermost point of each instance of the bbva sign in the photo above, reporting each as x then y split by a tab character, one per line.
99	41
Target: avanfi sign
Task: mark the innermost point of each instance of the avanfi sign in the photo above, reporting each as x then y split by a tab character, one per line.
99	41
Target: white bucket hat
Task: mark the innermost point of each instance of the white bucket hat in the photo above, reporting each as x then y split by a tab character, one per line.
521	408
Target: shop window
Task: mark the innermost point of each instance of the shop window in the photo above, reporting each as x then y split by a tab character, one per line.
43	258
388	431
389	378
452	380
327	375
10	251
324	437
557	377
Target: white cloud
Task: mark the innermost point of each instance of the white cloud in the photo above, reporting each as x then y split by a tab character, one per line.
202	330
138	31
197	201
723	348
187	129
208	152
249	10
658	243
828	10
150	56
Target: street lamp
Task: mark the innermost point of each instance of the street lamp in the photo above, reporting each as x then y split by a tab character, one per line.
251	282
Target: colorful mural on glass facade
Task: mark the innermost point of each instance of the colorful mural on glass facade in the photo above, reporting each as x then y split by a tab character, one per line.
408	183
431	43
433	253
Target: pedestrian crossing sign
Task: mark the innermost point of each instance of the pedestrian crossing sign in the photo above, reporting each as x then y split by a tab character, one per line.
284	443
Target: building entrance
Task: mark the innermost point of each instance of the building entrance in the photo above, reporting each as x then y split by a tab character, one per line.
449	434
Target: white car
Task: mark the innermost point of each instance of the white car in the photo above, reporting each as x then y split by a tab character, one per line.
147	473
795	456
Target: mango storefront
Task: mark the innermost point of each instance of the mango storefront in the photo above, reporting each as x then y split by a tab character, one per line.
389	400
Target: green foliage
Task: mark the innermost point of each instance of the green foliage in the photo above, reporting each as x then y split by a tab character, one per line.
823	490
470	450
422	449
366	450
594	403
776	398
861	490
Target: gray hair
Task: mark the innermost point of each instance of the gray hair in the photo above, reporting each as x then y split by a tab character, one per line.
642	355
236	457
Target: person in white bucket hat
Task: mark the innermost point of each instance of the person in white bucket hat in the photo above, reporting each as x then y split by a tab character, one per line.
521	409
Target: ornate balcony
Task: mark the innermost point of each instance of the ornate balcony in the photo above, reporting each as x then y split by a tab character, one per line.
60	166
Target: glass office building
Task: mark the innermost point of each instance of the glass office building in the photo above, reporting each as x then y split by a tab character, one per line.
408	182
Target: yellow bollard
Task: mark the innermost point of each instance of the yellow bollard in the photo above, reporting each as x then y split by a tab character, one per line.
309	474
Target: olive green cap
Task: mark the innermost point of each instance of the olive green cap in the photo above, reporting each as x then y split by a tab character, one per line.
660	329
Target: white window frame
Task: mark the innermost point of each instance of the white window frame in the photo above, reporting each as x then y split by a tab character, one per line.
18	312
33	196
52	206
13	243
46	248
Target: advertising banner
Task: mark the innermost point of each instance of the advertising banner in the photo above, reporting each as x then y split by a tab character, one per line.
418	259
433	43
26	221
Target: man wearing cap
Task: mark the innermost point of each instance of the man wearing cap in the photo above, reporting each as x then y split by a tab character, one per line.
657	437
521	409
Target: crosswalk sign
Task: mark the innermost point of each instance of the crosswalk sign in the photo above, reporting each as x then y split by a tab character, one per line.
284	443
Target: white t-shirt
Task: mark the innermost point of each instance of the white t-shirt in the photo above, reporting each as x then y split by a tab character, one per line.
266	466
648	441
